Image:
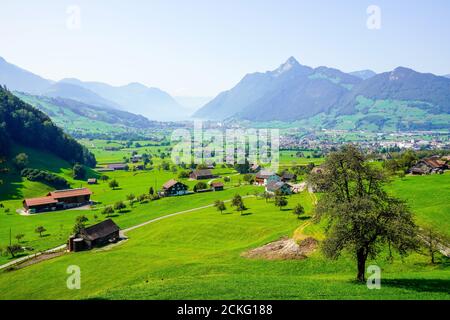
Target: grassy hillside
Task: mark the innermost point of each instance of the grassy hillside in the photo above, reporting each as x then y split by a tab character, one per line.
197	256
429	198
78	118
23	124
382	115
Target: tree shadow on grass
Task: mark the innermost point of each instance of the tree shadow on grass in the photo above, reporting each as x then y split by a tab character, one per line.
17	256
112	216
419	285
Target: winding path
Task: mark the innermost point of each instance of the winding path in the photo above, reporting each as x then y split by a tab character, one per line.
122	233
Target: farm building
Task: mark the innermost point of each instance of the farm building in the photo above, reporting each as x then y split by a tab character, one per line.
217	186
173	188
288	177
36	205
202	174
118	166
279	186
136	158
264	177
429	166
58	200
94	236
92	181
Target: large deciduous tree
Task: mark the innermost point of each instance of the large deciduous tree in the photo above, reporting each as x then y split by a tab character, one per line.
362	216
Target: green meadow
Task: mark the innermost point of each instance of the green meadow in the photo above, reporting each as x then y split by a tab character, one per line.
429	198
197	254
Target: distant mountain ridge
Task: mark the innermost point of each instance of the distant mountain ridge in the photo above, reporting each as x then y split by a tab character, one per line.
16	78
152	103
327	97
292	91
137	98
363	74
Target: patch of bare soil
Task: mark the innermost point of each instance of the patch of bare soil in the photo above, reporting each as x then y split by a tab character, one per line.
283	249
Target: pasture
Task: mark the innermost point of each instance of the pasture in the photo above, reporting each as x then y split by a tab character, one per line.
198	256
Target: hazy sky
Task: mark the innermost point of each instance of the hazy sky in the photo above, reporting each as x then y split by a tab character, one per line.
199	48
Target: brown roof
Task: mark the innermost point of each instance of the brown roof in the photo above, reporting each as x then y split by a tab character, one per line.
434	163
216	184
39	201
264	174
203	172
61	194
100	230
169	184
288	175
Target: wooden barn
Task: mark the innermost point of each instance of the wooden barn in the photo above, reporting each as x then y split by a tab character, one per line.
217	186
118	166
92	181
288	177
174	188
429	166
71	198
58	200
36	205
97	235
202	174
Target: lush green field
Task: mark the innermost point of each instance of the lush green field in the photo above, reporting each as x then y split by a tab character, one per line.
197	256
289	158
429	199
59	224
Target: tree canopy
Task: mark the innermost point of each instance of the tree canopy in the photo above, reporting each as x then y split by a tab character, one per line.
24	124
362	216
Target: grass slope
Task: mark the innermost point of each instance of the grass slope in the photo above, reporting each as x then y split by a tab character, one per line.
197	256
429	199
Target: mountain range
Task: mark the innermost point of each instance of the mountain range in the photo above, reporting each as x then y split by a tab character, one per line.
152	103
327	97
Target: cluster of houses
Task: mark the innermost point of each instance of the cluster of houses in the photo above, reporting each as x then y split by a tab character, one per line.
58	200
432	165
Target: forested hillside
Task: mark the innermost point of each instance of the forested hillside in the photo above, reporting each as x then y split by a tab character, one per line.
23	124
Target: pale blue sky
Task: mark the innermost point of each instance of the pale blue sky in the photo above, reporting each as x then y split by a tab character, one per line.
201	47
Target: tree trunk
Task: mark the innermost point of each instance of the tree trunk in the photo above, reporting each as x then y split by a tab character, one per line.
361	257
